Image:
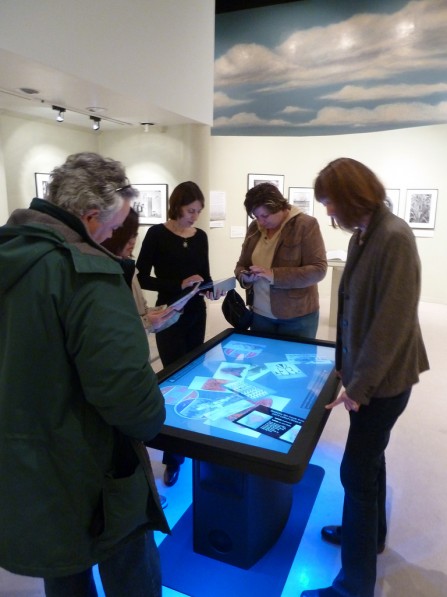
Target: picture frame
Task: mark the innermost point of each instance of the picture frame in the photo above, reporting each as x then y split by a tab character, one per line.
392	200
255	179
303	198
420	208
276	179
41	179
151	204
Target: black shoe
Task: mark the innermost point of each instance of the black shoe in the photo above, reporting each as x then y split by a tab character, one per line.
332	534
170	475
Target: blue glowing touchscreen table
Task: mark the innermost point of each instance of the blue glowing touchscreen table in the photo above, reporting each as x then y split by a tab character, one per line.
249	410
252	402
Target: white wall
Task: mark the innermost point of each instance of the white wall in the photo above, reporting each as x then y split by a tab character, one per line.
159	52
28	146
406	158
163	155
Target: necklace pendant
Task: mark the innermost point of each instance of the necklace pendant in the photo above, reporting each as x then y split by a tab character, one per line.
185	244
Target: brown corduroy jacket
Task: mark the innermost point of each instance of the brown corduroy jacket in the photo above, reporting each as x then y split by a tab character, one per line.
299	263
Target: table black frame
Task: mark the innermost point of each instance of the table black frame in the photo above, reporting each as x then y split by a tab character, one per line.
241	501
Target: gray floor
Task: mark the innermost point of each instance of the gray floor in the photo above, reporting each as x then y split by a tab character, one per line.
415	561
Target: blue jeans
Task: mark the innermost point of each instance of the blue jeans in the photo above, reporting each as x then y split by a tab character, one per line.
305	326
133	571
363	476
184	335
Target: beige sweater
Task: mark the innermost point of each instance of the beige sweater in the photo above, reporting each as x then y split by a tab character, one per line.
298	263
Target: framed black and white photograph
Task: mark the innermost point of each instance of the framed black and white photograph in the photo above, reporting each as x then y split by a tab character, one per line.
420	208
42	180
303	198
392	200
152	203
276	179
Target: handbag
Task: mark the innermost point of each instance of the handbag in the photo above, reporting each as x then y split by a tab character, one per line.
236	311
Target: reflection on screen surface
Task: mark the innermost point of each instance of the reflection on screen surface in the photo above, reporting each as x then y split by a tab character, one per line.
257	391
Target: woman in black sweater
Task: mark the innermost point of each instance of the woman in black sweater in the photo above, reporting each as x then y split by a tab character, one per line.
177	252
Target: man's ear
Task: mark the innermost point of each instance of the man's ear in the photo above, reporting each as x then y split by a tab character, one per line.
90	220
90	215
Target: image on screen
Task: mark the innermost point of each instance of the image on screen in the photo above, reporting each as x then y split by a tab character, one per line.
253	390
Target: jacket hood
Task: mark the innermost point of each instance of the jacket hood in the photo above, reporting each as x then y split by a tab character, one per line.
19	251
32	233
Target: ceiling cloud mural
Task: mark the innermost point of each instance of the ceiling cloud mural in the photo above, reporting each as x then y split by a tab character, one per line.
320	67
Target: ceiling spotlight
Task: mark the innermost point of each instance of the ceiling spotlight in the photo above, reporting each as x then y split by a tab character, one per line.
96	123
60	116
28	90
146	126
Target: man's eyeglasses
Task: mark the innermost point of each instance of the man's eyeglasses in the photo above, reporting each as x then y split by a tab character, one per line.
127	190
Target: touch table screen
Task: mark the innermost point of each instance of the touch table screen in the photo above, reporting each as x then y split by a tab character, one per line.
250	401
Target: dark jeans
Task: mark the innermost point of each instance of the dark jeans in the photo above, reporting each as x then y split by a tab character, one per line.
305	326
178	339
174	342
363	475
133	571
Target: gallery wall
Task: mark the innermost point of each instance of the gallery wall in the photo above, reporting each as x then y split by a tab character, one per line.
403	159
28	146
161	156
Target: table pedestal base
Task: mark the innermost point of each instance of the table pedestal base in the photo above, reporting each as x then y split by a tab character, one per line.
237	517
197	575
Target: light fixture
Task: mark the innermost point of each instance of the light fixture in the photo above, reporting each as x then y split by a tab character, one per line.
28	90
96	123
61	111
96	109
146	126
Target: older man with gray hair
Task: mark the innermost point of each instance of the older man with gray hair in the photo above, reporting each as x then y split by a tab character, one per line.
77	394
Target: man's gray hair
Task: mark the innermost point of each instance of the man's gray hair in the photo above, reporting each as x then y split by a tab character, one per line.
89	181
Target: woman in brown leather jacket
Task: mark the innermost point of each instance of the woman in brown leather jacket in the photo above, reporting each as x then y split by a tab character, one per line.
282	260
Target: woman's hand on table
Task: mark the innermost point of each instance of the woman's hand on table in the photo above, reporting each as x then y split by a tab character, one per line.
343	398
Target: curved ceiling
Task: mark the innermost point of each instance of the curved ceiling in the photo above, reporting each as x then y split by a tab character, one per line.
322	67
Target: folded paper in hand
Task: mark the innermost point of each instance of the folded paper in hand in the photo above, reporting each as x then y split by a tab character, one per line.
181	302
219	286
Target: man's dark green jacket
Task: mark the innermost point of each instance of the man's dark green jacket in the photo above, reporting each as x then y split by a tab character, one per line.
77	398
